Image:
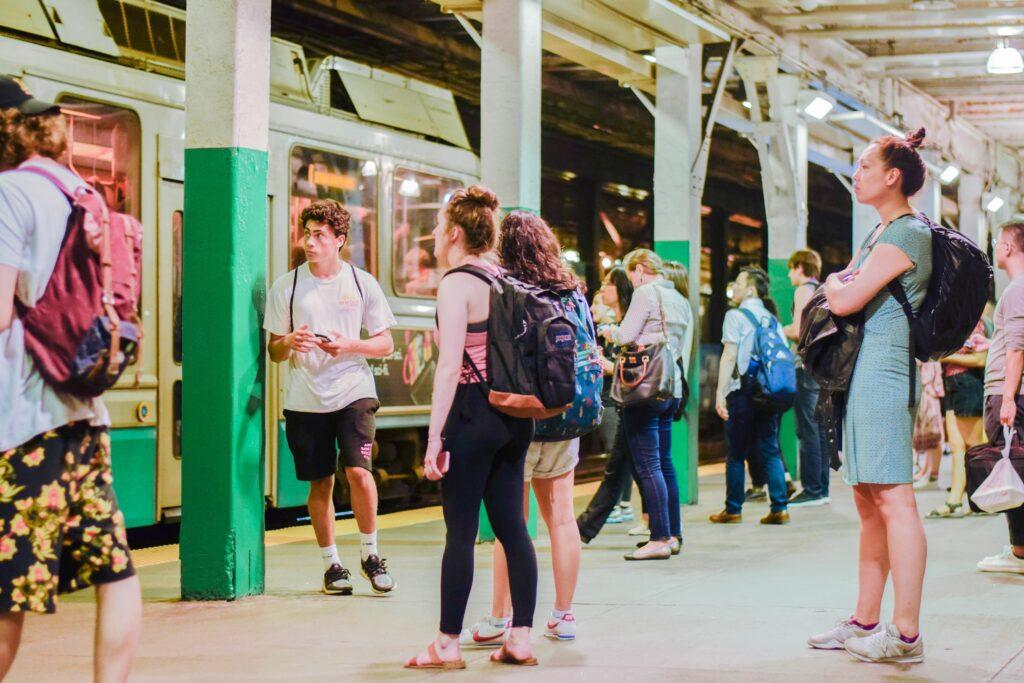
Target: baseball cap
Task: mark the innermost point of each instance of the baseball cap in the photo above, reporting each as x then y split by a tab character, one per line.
14	96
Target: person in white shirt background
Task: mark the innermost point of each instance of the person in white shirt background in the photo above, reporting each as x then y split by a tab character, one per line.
315	315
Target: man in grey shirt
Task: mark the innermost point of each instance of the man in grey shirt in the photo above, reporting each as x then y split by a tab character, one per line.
1004	402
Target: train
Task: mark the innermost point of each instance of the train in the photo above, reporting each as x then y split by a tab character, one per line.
126	126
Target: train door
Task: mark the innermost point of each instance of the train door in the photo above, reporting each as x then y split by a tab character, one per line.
170	201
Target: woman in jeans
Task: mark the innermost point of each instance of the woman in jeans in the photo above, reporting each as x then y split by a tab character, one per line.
610	305
648	427
477	452
878	423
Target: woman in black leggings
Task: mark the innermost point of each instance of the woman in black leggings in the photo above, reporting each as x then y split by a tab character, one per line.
476	452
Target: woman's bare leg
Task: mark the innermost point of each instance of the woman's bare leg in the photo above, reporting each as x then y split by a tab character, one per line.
873	569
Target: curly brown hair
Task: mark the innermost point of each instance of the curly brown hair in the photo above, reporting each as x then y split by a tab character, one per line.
21	136
475	210
329	212
530	252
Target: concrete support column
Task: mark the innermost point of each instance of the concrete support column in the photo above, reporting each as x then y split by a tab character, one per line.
510	96
781	143
677	139
973	222
929	200
226	119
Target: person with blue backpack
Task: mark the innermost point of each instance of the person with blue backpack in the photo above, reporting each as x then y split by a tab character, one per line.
756	384
657	312
530	253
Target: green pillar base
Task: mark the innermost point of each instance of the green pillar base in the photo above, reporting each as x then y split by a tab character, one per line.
486	533
225	240
782	293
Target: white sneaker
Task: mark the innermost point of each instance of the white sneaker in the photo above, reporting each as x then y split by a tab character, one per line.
835	638
886	647
483	634
563	628
640	530
1005	561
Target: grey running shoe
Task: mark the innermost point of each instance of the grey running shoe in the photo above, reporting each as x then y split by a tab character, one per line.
886	647
835	638
375	570
336	581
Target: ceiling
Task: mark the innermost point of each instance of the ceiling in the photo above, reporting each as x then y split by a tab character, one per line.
940	46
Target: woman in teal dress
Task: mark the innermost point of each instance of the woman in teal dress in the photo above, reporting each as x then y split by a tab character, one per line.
878	425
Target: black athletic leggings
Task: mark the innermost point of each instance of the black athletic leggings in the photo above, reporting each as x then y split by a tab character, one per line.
487	451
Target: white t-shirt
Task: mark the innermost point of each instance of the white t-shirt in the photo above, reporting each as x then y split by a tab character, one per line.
737	329
33	219
316	382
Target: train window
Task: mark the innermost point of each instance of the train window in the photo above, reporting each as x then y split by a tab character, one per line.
417	197
353	182
103	147
176	228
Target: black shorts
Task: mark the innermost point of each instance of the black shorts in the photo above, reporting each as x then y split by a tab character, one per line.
317	440
965	394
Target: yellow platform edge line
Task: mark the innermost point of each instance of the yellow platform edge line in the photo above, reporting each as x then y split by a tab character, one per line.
148	557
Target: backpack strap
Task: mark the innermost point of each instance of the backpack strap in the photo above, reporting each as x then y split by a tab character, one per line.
291	302
355	276
896	290
475	271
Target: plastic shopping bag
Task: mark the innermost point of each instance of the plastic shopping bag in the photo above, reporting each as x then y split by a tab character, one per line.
1003	488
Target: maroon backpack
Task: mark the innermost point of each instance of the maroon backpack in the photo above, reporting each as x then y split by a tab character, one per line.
85	329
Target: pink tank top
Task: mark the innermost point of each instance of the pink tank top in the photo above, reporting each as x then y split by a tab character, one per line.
476	349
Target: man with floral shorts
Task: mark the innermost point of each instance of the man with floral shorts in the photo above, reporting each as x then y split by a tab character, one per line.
60	527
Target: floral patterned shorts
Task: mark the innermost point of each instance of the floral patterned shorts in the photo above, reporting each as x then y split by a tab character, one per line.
60	527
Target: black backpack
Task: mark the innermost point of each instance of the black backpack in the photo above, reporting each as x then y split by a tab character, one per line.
531	348
957	293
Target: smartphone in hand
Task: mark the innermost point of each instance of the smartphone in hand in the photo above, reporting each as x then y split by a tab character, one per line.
322	337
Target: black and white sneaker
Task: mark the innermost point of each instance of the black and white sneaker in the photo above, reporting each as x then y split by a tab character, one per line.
804	499
375	570
336	581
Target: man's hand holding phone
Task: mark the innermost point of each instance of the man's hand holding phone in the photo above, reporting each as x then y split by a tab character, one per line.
301	340
333	345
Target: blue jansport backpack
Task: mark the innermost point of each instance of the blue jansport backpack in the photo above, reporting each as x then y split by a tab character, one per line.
770	379
585	414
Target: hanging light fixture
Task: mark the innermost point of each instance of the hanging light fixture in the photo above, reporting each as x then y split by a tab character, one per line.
1005	60
949	174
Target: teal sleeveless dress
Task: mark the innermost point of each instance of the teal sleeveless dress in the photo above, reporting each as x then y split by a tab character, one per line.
878	426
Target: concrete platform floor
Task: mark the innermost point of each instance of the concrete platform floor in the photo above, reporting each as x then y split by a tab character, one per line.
737	605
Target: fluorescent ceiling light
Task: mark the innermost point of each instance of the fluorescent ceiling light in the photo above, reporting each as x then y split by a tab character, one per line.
995	203
1005	60
651	58
747	104
409	188
818	108
950	174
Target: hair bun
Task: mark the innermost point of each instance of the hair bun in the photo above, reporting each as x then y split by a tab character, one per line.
482	196
916	139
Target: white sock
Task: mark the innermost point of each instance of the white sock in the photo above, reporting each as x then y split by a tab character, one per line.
368	544
499	622
329	555
558	614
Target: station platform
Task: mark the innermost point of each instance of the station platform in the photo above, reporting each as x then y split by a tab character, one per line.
737	605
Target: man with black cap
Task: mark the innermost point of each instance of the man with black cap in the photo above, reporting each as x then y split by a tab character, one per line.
60	526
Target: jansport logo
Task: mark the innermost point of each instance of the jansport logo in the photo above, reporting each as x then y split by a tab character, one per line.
563	340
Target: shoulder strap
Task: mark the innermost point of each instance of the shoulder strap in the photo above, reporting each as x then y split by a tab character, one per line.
51	177
291	301
661	310
750	316
355	276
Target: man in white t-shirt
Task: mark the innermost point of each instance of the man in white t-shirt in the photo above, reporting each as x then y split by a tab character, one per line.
315	315
60	527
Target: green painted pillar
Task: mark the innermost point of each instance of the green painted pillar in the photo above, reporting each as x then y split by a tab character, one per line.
677	218
782	293
224	254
